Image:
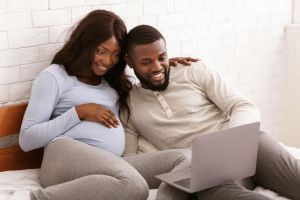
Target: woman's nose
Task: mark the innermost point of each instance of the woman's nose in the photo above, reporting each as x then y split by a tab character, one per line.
107	60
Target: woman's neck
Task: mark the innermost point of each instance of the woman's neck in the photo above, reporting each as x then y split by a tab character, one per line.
90	81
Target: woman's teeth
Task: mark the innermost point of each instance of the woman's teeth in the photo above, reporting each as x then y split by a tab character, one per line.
101	67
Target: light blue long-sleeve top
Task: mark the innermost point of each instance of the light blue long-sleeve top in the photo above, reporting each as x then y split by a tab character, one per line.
51	113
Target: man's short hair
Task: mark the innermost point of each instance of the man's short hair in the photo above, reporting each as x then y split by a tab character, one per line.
140	35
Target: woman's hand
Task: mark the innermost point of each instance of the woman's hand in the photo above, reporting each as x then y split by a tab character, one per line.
97	113
182	60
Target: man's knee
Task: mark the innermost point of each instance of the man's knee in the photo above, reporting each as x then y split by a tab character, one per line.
184	153
181	158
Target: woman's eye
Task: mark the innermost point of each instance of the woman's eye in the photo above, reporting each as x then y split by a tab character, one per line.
99	51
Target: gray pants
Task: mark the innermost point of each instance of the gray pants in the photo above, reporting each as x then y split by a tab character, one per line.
277	170
77	171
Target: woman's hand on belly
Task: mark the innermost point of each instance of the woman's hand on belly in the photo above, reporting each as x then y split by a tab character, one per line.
97	113
98	135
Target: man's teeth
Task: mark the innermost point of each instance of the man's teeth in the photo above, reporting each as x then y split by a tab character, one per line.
157	75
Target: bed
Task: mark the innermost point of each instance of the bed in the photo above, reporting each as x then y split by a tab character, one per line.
19	171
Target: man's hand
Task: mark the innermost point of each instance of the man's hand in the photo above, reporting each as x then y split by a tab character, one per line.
97	113
182	60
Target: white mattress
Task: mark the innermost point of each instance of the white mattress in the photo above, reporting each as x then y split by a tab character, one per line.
16	185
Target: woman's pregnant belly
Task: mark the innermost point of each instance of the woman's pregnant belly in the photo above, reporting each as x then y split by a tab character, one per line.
95	134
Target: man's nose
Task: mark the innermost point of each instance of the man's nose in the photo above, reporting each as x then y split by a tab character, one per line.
156	66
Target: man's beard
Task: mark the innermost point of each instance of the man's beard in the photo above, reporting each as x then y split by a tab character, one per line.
148	84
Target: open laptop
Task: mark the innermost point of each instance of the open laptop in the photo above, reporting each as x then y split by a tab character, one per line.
217	158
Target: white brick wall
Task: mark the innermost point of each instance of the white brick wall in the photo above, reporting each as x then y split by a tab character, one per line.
4	93
79	12
296	17
58	33
292	92
244	40
13	21
30	71
19	91
51	17
9	75
28	37
28	5
3	40
56	4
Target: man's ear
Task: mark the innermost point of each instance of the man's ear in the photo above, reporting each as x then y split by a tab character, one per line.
128	61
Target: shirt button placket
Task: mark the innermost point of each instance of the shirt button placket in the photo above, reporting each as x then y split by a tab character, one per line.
164	104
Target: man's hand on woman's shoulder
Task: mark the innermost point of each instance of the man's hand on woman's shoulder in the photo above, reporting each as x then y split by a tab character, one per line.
182	60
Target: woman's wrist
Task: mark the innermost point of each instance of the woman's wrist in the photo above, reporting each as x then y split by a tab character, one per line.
80	112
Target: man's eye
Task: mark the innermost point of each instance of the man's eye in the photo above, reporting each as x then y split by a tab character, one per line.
145	62
163	58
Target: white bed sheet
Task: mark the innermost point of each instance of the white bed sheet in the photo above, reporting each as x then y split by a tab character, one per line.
16	185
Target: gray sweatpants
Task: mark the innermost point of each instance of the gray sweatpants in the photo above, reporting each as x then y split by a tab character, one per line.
276	170
77	171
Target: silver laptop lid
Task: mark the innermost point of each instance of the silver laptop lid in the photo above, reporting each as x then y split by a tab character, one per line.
224	155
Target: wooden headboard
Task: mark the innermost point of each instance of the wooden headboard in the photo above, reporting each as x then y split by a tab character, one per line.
12	157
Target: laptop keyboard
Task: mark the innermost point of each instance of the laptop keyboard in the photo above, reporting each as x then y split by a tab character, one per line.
184	183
